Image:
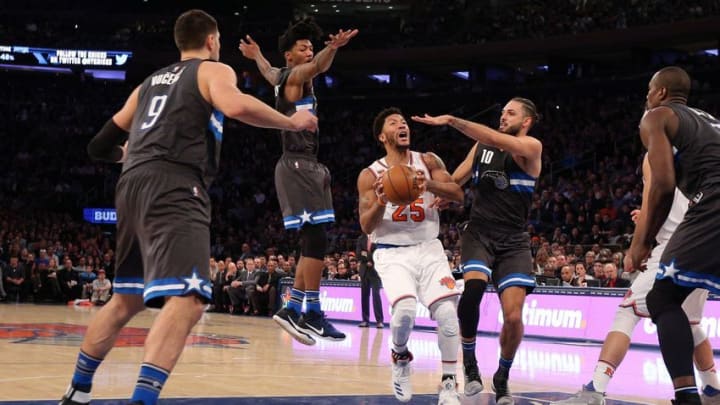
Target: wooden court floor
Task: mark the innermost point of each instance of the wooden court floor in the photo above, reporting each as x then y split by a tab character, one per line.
241	359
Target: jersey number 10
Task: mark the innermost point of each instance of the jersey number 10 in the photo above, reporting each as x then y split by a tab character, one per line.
487	156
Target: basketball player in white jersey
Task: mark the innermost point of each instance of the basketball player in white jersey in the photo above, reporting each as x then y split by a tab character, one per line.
634	307
408	256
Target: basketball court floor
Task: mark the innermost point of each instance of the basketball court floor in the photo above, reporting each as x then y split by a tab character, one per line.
249	360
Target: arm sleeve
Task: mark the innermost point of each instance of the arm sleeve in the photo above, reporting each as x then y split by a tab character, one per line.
105	145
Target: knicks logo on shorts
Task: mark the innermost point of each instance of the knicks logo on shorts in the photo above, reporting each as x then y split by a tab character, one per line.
448	282
60	334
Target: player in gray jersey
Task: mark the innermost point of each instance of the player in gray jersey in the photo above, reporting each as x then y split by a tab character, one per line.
504	165
302	183
171	155
683	150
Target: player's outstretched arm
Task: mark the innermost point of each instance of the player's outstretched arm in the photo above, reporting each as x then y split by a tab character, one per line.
110	144
221	86
322	60
251	50
371	201
526	146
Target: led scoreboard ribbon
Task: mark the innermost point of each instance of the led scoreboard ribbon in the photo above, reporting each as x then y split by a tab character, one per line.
62	57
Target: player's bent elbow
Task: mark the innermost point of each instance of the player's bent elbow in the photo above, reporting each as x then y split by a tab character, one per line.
366	228
238	111
94	150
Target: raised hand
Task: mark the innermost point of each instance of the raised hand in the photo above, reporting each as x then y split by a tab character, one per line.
249	49
430	120
341	38
634	215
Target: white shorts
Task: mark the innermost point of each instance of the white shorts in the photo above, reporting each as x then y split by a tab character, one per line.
420	271
636	294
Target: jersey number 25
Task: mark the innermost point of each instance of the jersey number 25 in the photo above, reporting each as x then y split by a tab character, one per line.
417	212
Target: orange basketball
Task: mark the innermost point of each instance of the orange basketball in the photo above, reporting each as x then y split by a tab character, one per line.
400	185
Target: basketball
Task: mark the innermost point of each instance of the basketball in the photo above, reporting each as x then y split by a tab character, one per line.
400	185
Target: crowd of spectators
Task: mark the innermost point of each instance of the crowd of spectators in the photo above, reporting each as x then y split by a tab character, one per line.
423	23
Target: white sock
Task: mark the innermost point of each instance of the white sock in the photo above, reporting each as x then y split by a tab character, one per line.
449	368
709	377
603	373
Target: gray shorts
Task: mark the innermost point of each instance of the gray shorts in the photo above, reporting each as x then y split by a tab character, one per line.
504	256
163	233
303	189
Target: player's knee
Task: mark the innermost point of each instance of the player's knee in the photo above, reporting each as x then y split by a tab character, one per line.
444	313
473	292
625	321
314	241
125	306
513	316
404	312
698	334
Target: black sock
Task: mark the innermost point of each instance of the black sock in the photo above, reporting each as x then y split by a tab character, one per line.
469	307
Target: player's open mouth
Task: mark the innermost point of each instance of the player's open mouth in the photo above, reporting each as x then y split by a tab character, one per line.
403	135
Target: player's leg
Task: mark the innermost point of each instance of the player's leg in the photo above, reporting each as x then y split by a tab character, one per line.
395	268
614	349
689	261
617	341
445	314
438	293
512	299
303	189
313	321
702	353
401	325
675	336
127	301
165	342
99	339
175	241
476	264
513	279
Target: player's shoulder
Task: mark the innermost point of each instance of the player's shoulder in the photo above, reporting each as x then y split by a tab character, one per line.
660	112
213	66
532	139
366	177
432	160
